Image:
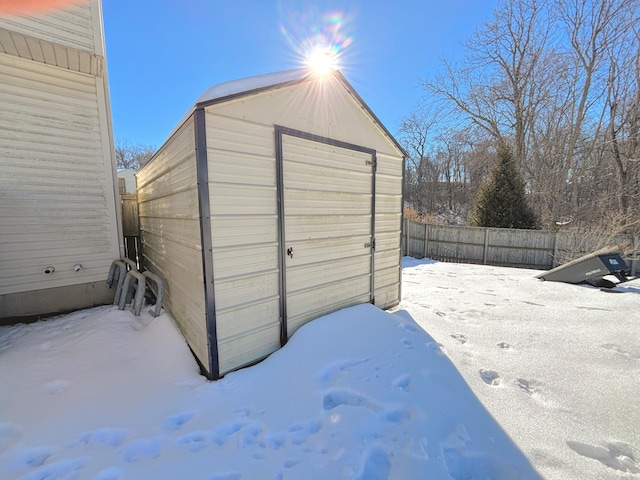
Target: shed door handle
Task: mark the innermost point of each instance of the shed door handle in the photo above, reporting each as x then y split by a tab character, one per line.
290	251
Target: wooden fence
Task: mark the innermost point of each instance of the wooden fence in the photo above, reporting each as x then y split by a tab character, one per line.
536	249
130	228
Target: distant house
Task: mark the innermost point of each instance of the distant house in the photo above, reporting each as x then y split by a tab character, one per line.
277	199
126	181
59	222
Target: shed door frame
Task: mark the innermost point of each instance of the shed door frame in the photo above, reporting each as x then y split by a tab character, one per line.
280	131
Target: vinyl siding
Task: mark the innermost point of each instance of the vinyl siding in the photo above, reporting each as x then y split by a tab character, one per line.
70	27
57	199
170	232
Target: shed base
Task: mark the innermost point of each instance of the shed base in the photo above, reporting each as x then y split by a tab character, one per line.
35	305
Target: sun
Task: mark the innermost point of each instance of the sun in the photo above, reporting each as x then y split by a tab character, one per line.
318	38
322	60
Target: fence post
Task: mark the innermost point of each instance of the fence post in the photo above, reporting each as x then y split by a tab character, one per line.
426	240
406	237
554	258
486	245
636	253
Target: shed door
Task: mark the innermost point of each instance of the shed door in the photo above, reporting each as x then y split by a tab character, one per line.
326	193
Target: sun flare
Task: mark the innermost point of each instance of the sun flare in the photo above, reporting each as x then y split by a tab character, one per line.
317	38
322	60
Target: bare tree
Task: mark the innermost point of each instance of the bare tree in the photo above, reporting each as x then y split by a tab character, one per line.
129	155
557	81
623	129
592	26
496	88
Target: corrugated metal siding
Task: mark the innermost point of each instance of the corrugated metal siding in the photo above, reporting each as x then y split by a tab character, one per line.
170	232
70	27
244	223
57	202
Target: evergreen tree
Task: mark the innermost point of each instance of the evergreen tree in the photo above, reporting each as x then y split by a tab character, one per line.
501	200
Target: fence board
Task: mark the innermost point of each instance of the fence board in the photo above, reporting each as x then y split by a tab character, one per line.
537	249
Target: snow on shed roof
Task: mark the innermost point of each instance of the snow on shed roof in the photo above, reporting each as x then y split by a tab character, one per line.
245	86
249	84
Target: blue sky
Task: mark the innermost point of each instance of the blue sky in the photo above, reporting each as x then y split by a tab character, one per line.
162	54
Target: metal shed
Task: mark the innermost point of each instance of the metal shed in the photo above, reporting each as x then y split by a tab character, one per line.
59	216
277	199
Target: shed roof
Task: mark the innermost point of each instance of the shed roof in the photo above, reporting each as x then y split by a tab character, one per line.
233	89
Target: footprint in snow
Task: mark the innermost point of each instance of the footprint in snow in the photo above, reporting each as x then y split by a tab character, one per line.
409	327
490	377
223	432
435	347
300	432
111	437
276	440
459	337
330	373
618	349
194	441
61	469
503	345
251	435
349	398
403	382
177	421
526	385
144	448
291	463
618	456
31	457
397	414
408	343
376	465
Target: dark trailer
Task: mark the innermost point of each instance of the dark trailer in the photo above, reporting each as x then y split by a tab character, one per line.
592	268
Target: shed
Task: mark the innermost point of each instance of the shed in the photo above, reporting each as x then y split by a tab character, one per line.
276	199
59	220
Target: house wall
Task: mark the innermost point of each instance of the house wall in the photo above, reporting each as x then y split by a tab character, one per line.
243	193
170	232
70	38
129	177
57	175
71	27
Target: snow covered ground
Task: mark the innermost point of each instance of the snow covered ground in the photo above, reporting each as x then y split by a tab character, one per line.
509	377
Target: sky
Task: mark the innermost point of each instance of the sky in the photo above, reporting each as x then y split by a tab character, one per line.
480	372
163	54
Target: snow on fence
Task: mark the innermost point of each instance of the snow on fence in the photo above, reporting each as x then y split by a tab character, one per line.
536	249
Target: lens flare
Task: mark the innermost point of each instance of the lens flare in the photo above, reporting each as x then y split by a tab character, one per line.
322	60
318	39
23	7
